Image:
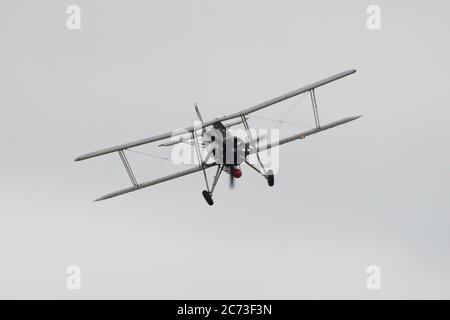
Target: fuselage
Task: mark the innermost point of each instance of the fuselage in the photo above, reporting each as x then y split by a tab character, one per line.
225	148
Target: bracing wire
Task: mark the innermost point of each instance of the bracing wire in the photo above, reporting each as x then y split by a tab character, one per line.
282	120
149	155
292	108
160	165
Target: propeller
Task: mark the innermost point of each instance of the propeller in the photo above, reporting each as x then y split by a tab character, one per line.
231	179
235	172
199	116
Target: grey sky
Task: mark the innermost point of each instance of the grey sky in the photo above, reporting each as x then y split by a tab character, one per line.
374	191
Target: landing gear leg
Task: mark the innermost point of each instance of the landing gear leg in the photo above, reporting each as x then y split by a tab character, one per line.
208	194
269	175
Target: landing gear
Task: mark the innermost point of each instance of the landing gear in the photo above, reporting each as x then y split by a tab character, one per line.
270	178
208	197
268	174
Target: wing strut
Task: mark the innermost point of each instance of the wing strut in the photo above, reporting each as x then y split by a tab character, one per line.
216	177
200	158
249	134
127	167
314	104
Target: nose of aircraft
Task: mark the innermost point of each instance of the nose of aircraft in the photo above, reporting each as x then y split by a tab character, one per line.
237	173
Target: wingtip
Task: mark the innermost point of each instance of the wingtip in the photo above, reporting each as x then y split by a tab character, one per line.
104	197
79	158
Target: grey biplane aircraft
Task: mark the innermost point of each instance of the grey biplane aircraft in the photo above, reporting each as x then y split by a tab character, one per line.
226	151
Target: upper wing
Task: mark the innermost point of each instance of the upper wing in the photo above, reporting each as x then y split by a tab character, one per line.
153	182
224	118
136	143
284	97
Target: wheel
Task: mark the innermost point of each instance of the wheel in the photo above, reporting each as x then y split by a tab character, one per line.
270	178
208	197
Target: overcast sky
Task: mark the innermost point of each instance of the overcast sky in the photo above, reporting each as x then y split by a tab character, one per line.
372	192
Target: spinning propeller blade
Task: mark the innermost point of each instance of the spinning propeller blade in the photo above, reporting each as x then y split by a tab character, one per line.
199	116
231	180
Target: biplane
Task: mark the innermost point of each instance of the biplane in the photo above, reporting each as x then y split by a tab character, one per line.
225	151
